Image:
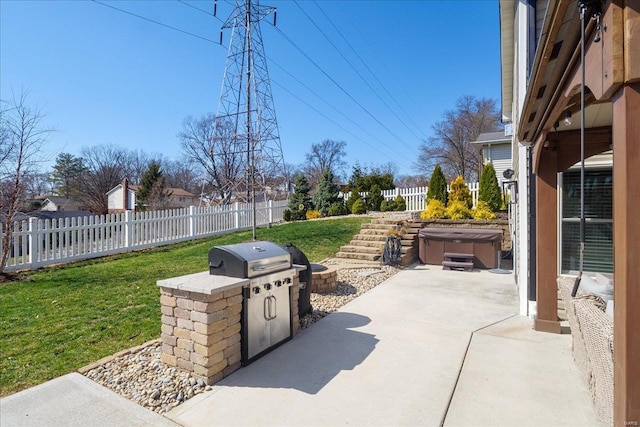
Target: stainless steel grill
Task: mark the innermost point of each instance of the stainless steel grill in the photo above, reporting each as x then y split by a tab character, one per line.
266	310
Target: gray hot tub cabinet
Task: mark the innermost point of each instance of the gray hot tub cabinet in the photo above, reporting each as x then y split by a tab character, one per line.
483	243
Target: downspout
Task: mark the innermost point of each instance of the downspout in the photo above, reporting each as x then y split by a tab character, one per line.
532	225
531	200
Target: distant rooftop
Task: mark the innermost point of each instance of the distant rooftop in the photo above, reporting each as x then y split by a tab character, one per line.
498	136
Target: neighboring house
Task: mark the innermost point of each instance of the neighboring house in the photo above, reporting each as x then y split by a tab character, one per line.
542	81
122	197
496	149
57	204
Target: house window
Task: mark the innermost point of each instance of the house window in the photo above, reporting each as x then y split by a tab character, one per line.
598	207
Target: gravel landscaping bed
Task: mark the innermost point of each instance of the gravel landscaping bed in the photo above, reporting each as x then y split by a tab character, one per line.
140	376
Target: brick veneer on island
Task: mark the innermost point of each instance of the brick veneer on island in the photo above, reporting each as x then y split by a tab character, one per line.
201	323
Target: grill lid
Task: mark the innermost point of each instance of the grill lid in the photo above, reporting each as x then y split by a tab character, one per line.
246	260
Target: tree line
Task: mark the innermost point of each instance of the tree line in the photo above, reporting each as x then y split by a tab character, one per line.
213	167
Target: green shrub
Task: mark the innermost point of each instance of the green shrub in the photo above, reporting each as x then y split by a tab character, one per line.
353	196
400	204
359	207
460	192
286	215
483	211
375	198
388	205
458	210
489	191
313	214
438	186
337	209
435	210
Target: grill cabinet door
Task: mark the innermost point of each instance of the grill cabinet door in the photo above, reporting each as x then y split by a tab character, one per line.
257	335
280	325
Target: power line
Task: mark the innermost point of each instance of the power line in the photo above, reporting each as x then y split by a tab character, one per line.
346	40
333	121
200	10
361	77
375	52
334	81
154	21
328	104
278	65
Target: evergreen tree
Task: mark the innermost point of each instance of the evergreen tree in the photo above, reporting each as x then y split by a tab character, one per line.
353	196
489	188
437	186
152	193
363	179
460	193
375	198
300	201
67	176
327	192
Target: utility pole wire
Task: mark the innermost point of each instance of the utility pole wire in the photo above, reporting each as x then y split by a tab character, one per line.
375	52
362	78
334	122
272	61
337	30
154	21
369	69
332	107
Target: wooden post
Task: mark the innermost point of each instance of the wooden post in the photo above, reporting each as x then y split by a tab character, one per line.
547	243
626	225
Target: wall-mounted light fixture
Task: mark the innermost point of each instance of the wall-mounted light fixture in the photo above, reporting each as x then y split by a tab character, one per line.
567	118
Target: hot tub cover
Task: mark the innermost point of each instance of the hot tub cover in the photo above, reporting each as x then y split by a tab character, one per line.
447	233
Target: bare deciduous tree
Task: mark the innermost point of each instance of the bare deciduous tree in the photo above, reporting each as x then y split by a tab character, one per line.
408	181
451	146
327	154
22	135
215	152
183	174
105	167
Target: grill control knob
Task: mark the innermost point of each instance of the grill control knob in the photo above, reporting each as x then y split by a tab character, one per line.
278	283
256	290
267	286
287	280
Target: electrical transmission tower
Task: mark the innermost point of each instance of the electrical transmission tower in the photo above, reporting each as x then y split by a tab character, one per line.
246	118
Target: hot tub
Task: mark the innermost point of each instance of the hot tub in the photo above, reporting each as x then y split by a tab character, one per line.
483	243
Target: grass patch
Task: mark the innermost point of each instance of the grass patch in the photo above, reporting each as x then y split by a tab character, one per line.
57	320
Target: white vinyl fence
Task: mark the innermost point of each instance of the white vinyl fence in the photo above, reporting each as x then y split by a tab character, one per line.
415	197
37	243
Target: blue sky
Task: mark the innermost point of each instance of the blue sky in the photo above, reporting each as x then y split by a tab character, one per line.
106	77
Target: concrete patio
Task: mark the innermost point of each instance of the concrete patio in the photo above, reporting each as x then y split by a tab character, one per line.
426	347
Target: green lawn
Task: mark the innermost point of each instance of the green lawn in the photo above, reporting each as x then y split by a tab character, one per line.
57	320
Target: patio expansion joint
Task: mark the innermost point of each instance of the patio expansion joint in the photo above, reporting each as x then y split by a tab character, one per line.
464	358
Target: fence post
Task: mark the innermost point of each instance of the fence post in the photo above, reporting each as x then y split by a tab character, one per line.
32	244
236	207
270	207
192	221
128	230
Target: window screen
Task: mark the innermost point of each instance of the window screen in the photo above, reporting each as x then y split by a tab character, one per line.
598	202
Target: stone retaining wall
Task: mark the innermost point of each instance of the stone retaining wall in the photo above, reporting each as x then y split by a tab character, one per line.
325	281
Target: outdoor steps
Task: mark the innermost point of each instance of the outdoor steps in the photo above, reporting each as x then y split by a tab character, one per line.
369	243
